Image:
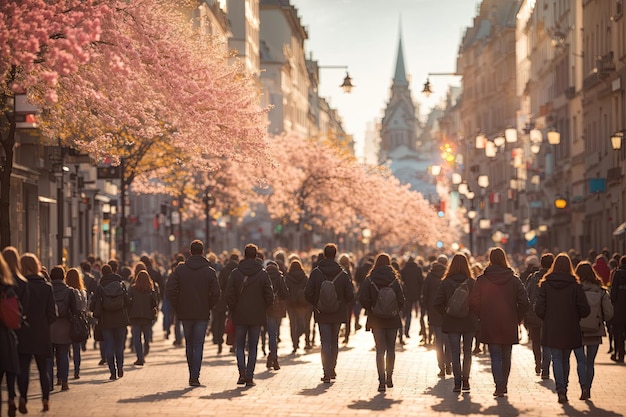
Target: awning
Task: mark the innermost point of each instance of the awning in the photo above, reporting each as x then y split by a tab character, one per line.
621	229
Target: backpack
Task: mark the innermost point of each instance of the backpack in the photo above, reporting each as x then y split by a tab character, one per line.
594	321
327	301
10	314
386	305
113	296
458	304
79	327
63	305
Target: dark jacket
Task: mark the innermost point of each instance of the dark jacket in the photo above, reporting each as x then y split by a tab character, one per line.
249	293
222	278
157	278
193	289
327	269
618	295
499	300
8	342
63	296
278	309
34	338
142	306
296	282
382	276
429	291
444	293
412	281
561	303
110	319
532	288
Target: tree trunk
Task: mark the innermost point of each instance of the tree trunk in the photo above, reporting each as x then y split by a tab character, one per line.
8	144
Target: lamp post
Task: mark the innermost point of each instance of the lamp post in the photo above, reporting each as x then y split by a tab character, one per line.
471	215
209	202
346	85
58	169
428	88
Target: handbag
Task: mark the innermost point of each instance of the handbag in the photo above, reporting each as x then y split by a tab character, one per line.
229	329
79	327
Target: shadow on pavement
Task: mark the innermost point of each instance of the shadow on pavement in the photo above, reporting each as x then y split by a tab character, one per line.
225	395
452	401
503	408
378	402
312	392
158	396
593	411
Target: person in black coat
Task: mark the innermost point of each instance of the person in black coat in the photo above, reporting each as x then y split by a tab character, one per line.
429	291
618	297
144	303
8	341
412	280
298	309
275	312
329	323
457	328
193	290
561	303
384	329
34	336
219	311
60	329
249	293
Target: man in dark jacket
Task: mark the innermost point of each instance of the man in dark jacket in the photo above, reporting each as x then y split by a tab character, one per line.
193	291
248	295
329	323
412	281
429	291
618	297
219	312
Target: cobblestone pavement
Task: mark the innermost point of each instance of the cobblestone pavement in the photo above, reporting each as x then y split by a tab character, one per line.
160	387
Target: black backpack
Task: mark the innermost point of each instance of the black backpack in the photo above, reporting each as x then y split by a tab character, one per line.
113	296
458	304
327	301
386	305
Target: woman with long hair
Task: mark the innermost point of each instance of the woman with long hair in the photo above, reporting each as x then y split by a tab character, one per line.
298	310
60	329
35	339
601	311
499	300
561	303
346	264
457	328
74	280
384	328
142	313
8	340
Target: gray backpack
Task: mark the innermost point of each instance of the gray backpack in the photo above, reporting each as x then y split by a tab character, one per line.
386	305
327	301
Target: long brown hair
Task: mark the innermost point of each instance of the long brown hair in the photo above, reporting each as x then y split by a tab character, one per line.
497	257
12	258
74	279
30	264
6	277
143	282
586	273
459	265
562	264
383	259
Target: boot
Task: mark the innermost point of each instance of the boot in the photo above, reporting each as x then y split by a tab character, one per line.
585	394
64	386
12	407
465	386
269	362
276	365
46	405
389	381
242	378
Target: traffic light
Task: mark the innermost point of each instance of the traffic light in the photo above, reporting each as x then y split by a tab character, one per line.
108	172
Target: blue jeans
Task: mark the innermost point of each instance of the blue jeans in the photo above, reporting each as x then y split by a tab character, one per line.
560	368
500	364
136	332
76	352
329	339
252	333
454	340
272	334
195	332
385	340
114	347
62	357
441	346
585	359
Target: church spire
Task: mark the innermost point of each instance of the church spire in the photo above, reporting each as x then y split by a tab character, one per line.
399	77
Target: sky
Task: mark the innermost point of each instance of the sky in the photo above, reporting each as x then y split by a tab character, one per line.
363	34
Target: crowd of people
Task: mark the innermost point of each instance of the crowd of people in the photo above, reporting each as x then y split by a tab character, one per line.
566	304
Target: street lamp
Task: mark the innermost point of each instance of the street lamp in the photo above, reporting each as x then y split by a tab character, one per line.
428	88
209	202
616	140
346	85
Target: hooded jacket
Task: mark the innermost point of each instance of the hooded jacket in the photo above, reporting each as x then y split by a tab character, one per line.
382	276
34	337
64	298
412	281
604	311
111	319
618	295
249	293
193	289
454	324
222	278
499	300
278	309
327	269
295	281
429	291
561	303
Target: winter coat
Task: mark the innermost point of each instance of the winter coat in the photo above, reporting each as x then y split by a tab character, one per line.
65	299
499	300
412	281
278	309
296	282
142	307
604	311
382	276
222	278
158	280
327	269
110	319
34	337
618	295
8	343
429	291
532	288
193	289
444	293
561	303
249	293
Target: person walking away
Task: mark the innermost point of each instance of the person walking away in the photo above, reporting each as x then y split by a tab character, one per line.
499	300
383	315
533	322
457	326
275	312
142	312
429	291
34	336
532	266
219	312
110	307
561	303
359	276
412	281
248	295
329	305
74	280
193	291
9	363
618	323
592	326
298	309
346	264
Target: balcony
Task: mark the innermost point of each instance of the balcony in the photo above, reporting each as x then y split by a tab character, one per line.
614	175
605	64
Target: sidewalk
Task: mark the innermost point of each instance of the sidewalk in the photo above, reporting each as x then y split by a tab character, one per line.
160	387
